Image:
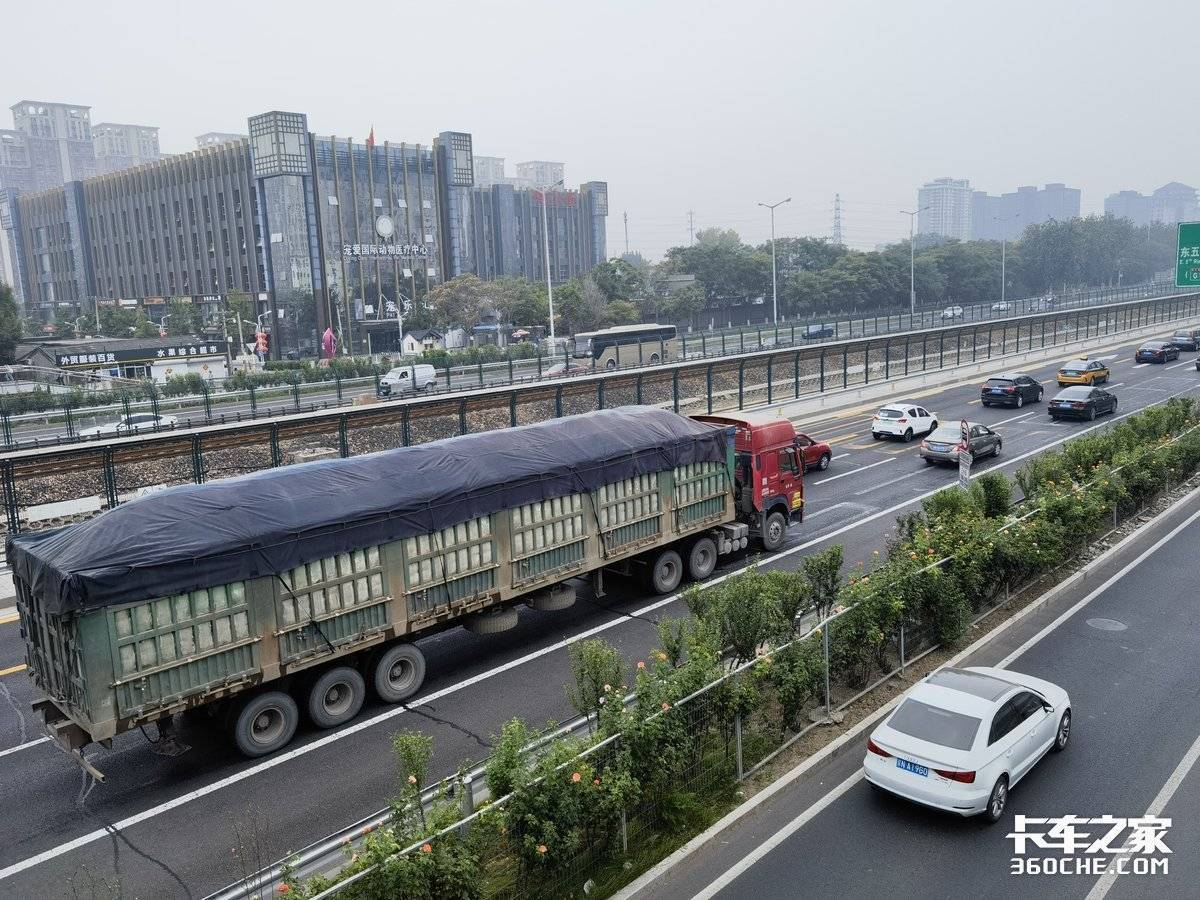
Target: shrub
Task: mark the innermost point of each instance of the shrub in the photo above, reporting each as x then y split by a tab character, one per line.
597	667
506	769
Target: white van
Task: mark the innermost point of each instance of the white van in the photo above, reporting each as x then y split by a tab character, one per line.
405	379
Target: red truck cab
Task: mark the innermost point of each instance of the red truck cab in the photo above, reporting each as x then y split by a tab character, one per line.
768	472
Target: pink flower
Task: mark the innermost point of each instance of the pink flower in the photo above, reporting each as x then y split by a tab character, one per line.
575	777
641	665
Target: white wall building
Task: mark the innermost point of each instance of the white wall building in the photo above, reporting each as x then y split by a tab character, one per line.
949	208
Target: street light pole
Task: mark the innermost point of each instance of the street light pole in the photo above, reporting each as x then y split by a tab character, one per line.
912	261
546	244
1004	253
774	284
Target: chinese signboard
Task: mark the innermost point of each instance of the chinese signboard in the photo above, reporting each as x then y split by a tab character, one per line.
141	354
386	250
1187	259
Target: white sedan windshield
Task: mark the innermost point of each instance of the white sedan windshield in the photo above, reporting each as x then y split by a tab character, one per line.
937	726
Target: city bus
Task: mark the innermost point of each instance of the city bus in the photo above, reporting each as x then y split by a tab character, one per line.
626	345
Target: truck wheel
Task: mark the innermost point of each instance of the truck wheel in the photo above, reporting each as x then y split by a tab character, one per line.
666	572
336	697
774	531
702	558
554	599
399	672
265	723
492	622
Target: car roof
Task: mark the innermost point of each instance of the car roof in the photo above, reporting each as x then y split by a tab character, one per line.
953	700
1078	390
1009	375
986	687
896	404
1153	343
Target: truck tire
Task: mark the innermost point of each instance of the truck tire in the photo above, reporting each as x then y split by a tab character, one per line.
666	571
554	599
265	723
774	531
336	697
492	622
702	558
398	673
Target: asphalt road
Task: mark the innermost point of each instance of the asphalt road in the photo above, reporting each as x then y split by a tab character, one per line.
165	826
1133	695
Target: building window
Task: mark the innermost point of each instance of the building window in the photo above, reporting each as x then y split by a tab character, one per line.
158	284
216	285
195	246
237	201
162	208
171	282
191	212
154	250
220	206
245	285
229	278
178	220
207	215
225	241
241	237
199	281
187	288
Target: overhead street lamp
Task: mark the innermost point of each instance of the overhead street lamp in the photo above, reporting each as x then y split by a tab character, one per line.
774	286
1004	251
546	243
912	261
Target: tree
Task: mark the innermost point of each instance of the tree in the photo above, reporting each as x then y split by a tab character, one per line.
117	321
183	316
729	271
10	324
621	312
142	326
460	301
619	280
519	302
581	304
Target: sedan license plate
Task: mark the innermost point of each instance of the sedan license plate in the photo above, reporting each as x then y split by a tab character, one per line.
996	390
912	767
939	448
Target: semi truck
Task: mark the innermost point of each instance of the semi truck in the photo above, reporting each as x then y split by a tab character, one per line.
294	590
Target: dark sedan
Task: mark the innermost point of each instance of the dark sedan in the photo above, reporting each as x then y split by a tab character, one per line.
1186	339
1156	352
1082	402
1010	389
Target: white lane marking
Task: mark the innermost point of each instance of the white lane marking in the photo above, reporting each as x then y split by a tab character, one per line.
1186	362
1141	365
1003	664
808	814
1117	385
270	763
1105	358
778	838
828	509
1109	878
19	747
839	455
853	471
872	490
1015	418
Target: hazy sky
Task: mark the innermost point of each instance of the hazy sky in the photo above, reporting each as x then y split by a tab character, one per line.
677	105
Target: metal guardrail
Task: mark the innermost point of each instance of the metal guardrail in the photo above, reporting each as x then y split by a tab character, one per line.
110	471
218	405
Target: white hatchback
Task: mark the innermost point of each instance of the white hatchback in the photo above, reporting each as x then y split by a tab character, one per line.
962	738
902	420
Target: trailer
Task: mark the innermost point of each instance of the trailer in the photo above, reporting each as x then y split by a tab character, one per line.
296	589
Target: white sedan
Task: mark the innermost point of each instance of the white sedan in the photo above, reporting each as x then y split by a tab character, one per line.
961	739
138	423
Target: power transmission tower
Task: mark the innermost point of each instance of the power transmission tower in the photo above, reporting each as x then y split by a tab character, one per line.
625	216
691	227
837	220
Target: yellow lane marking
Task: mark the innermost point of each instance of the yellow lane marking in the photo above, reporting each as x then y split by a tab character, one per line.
842	437
899	450
4	620
860	446
971	402
12	670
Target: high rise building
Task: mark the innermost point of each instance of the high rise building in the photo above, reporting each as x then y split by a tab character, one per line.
123	146
489	170
1171	203
541	174
1006	216
945	205
212	138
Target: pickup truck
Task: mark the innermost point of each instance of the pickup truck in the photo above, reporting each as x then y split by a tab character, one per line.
298	588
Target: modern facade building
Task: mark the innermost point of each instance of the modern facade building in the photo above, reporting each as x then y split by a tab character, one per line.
507	236
319	231
945	205
1006	216
212	138
1171	203
489	170
123	146
541	174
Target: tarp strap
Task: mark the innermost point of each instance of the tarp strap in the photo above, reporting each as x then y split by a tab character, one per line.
312	619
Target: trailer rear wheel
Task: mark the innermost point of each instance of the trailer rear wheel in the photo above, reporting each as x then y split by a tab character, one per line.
702	558
336	697
265	723
666	572
399	672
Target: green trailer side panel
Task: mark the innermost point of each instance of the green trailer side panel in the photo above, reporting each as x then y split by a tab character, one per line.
455	564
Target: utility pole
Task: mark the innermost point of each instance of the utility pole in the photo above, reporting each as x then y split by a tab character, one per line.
625	216
774	285
838	240
691	227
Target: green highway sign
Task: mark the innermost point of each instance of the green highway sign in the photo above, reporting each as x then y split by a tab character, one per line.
1187	259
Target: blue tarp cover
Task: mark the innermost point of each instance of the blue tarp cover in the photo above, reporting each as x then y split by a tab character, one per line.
195	536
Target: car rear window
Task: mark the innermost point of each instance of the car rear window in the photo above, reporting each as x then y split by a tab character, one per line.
1075	368
946	433
999	382
1075	393
890	414
937	726
1152	345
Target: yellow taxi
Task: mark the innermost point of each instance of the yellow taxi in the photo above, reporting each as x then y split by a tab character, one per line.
1083	371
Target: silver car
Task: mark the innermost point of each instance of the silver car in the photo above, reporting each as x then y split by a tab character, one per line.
941	446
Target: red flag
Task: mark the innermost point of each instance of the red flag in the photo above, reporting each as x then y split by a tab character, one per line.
371	137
